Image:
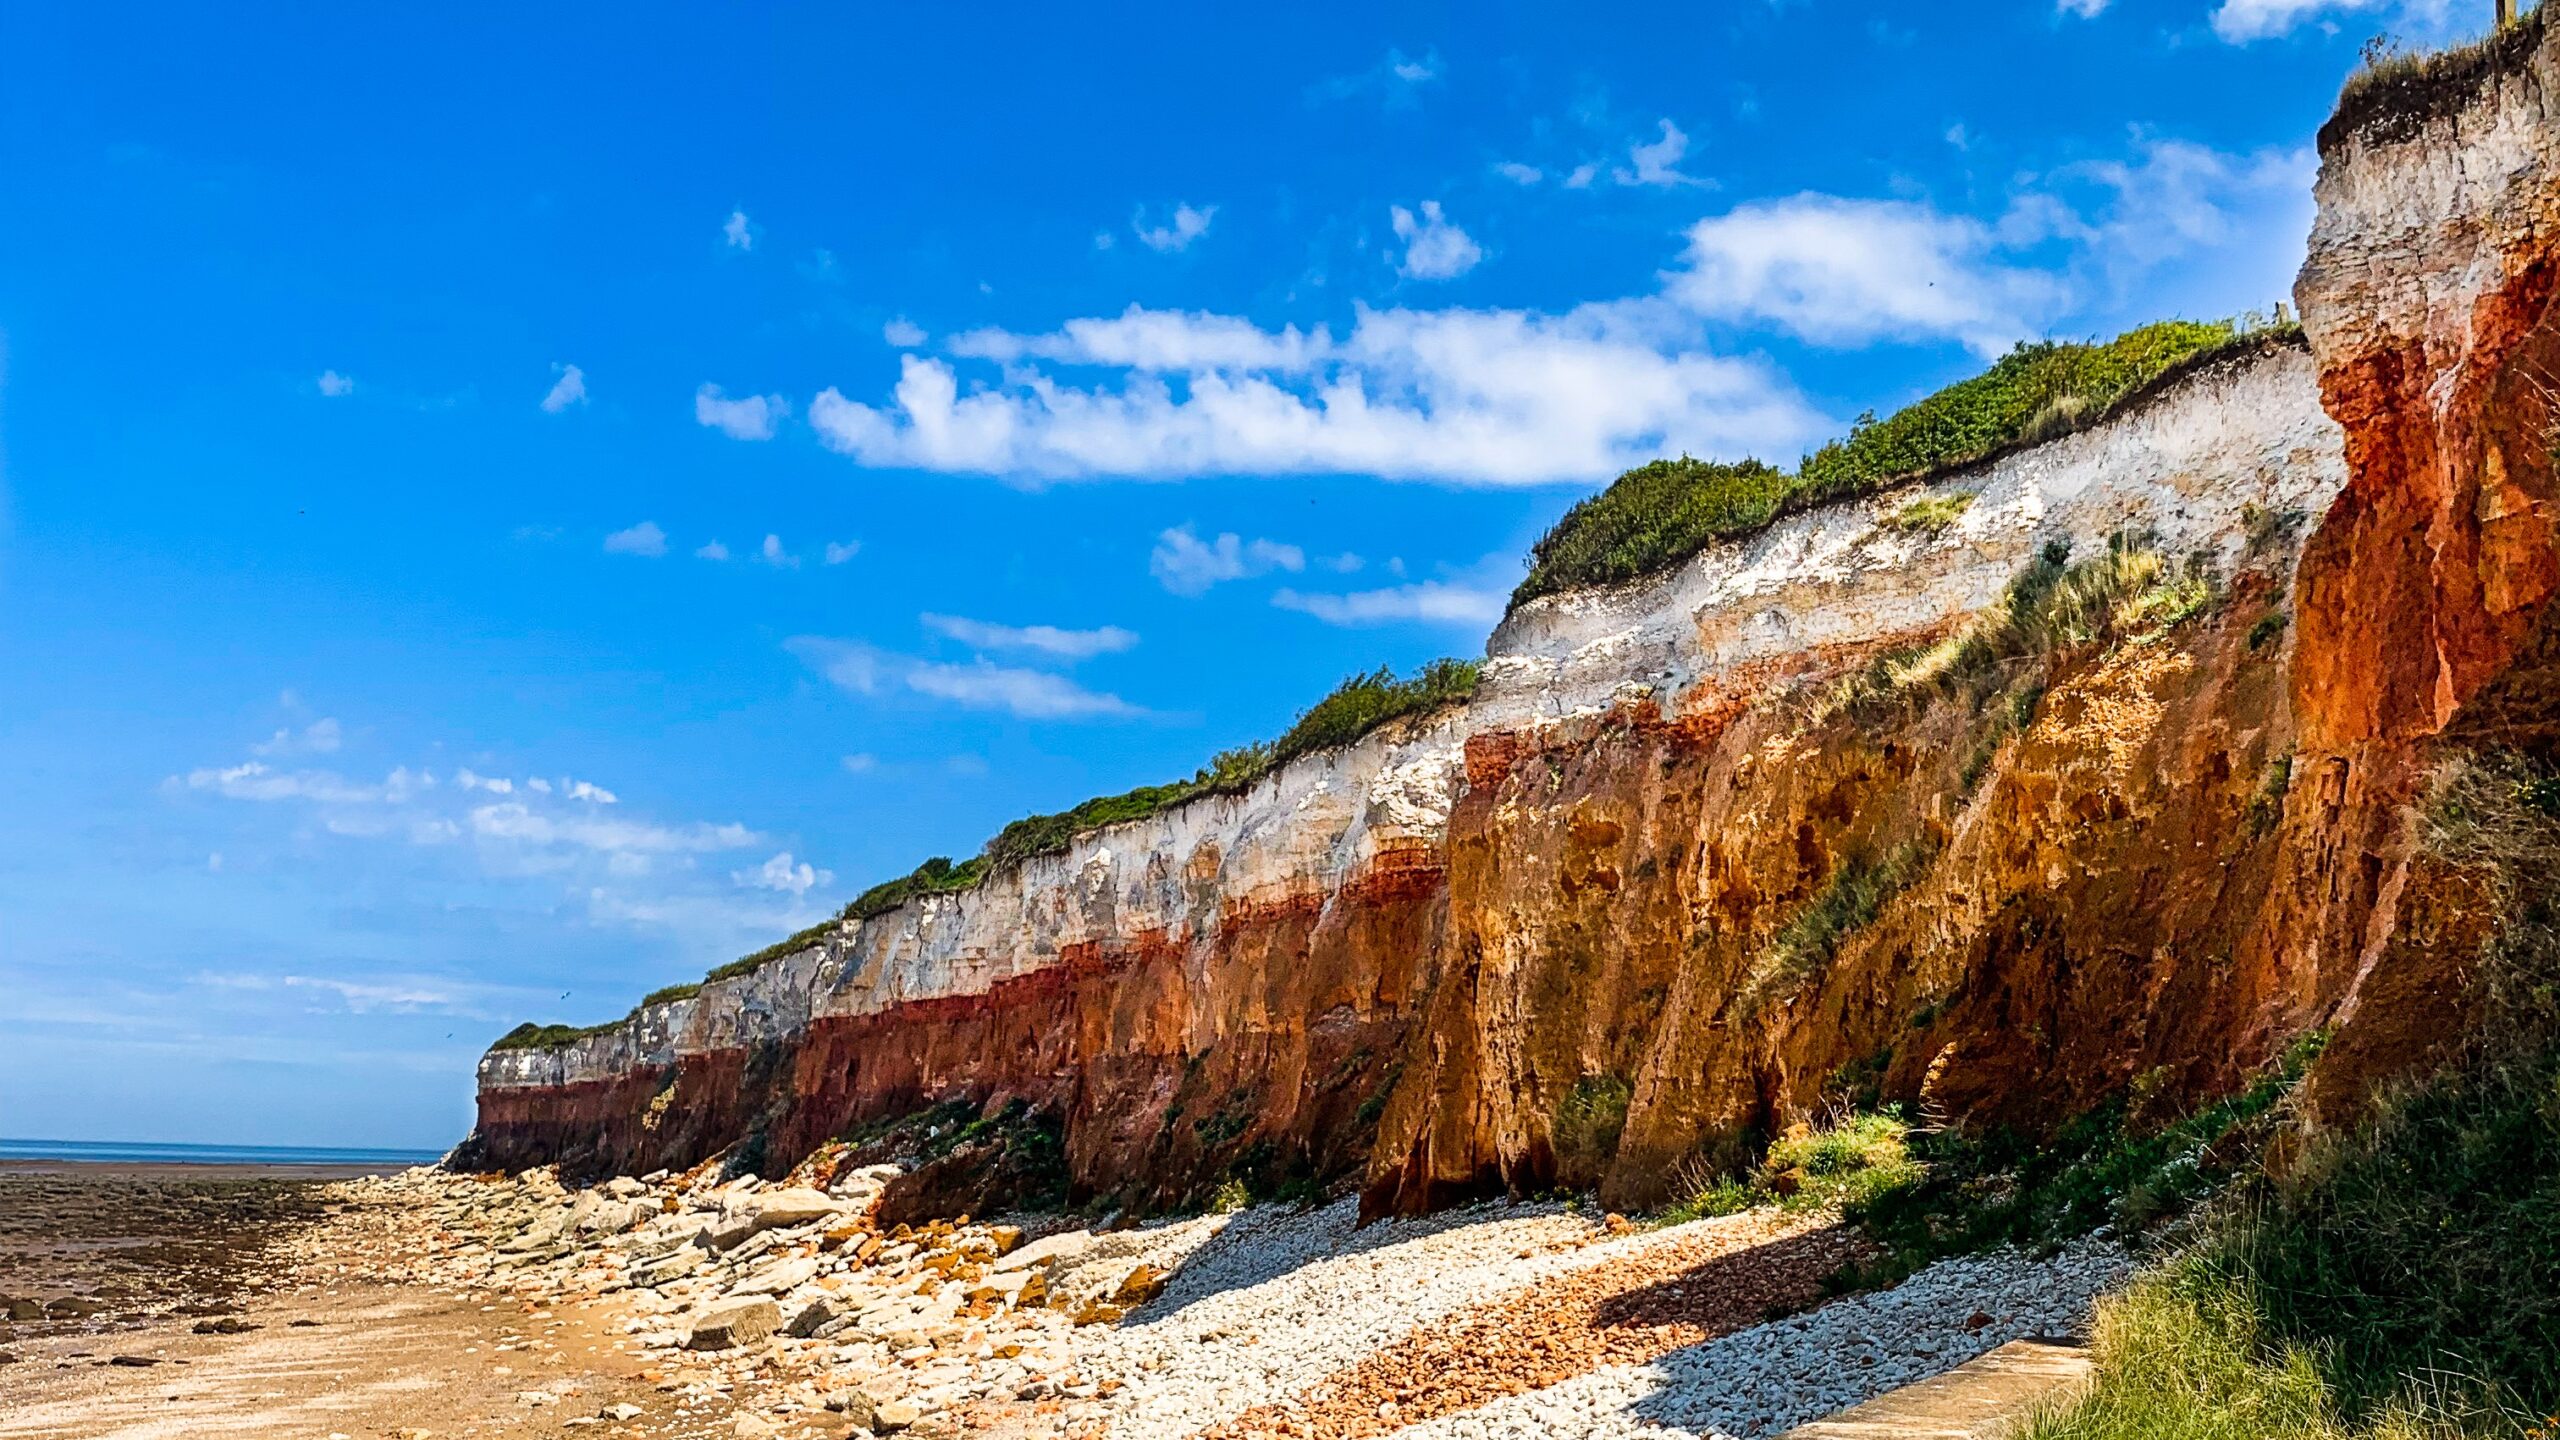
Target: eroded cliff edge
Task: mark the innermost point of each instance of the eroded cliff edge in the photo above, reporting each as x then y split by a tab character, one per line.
1711	850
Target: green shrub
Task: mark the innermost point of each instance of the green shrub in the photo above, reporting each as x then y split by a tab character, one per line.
666	994
1651	518
1662	512
529	1036
2033	392
937	876
1587	1124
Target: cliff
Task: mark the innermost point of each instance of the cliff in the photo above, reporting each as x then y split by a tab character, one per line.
2094	780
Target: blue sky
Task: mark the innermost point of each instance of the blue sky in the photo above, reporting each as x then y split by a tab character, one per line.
500	514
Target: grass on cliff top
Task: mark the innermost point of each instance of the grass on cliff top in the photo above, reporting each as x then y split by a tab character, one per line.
529	1036
1661	513
2396	91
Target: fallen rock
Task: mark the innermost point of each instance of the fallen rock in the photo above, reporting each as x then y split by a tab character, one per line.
796	1206
737	1322
894	1416
1066	1245
227	1325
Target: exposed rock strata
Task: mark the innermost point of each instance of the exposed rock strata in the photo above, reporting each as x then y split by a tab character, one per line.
1484	910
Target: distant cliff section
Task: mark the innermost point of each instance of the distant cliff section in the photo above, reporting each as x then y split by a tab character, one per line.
2083	770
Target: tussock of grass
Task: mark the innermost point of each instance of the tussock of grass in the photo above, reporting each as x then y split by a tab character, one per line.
1844	906
1661	513
1847	1163
2127	591
1930	514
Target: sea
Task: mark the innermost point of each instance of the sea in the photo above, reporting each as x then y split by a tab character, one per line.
144	1153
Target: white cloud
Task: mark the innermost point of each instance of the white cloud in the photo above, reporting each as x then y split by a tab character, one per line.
644	538
2085	9
569	389
333	384
1847	272
839	551
1187	565
1434	248
1657	161
750	417
862	669
1469	396
1436	602
1042	639
711	550
2241	21
590	793
903	333
255	780
1157	340
1189	224
321	737
1413	72
737	232
1519	174
1031	694
494	785
782	874
860	763
772	553
516	820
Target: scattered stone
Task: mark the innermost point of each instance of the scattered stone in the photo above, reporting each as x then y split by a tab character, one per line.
134	1362
737	1322
227	1325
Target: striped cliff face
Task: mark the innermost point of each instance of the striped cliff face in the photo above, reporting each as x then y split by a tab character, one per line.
1403	955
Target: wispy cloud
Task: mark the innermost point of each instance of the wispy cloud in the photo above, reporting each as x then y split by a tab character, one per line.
711	550
904	333
737	232
1188	224
748	417
568	387
1187	565
867	670
1657	161
321	737
334	385
772	553
839	551
1398	78
1473	600
1040	639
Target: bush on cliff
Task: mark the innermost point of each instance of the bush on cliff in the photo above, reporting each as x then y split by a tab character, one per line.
1662	512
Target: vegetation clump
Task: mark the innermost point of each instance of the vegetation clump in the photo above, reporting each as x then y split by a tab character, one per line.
1661	513
1847	1162
1930	514
529	1036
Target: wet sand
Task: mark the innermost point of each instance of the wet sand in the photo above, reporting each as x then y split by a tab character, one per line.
162	1300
